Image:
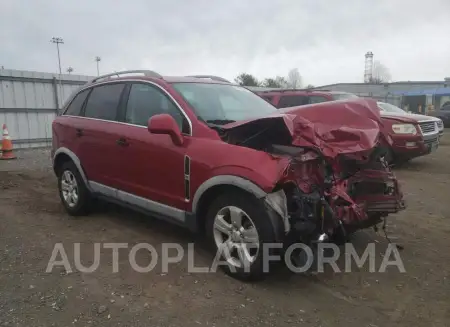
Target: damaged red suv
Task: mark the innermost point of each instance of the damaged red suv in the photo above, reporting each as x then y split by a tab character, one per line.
216	158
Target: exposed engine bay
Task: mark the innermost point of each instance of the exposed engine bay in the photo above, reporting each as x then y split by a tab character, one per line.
317	202
336	180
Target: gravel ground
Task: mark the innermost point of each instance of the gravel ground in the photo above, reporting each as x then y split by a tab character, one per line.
32	221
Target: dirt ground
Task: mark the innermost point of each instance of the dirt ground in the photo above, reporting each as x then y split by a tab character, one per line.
32	221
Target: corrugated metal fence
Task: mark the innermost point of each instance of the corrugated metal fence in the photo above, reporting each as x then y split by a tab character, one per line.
29	101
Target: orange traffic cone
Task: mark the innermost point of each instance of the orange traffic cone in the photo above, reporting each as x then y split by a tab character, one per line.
7	147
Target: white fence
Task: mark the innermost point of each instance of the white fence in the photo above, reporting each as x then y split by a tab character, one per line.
29	101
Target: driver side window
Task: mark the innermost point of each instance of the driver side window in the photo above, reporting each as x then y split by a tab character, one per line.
145	101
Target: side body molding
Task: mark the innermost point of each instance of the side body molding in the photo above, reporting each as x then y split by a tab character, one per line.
240	182
76	161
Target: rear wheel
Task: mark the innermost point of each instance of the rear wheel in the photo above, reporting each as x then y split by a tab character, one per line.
72	190
238	226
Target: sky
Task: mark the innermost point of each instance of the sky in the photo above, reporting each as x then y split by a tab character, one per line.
325	40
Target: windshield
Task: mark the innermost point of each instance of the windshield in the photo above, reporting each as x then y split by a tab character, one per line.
223	103
387	107
343	96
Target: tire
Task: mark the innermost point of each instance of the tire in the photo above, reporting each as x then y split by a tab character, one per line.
340	237
402	161
389	157
249	207
81	205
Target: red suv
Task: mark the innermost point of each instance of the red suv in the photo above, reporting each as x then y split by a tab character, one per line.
216	158
294	98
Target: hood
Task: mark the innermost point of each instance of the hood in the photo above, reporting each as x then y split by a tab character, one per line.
349	126
406	117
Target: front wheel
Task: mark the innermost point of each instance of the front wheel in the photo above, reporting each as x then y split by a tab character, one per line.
238	227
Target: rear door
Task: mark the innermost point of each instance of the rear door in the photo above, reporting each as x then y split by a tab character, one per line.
99	132
64	132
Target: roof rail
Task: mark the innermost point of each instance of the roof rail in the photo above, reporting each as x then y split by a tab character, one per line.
214	78
148	73
291	90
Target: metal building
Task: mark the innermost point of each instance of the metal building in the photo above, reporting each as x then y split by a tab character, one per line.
395	92
29	101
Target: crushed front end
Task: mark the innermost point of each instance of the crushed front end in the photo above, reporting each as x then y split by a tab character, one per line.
326	199
337	180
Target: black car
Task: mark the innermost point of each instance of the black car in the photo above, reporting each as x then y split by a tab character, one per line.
443	114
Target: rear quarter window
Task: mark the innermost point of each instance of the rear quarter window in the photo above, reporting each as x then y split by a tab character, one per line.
74	108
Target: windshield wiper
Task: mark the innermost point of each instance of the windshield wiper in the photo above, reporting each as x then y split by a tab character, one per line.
220	121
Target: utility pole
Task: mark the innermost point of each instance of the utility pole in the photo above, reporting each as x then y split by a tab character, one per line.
98	59
58	41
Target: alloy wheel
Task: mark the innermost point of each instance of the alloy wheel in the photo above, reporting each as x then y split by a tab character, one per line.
236	235
69	188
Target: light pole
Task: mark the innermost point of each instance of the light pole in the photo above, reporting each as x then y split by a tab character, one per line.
58	41
98	59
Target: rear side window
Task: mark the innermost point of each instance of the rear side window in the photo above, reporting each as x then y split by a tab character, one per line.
317	99
75	106
104	101
344	96
292	101
268	98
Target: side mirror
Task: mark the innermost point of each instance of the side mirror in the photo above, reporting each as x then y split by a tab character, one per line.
166	124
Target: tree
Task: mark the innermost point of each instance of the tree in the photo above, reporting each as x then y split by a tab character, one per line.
245	79
380	73
277	82
310	86
294	79
281	81
270	82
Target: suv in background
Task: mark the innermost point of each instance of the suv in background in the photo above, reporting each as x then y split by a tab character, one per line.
283	98
443	113
214	157
413	135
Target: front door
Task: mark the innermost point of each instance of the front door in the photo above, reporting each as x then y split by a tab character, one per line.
152	166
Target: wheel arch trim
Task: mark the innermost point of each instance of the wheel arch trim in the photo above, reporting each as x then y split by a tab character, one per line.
75	160
240	182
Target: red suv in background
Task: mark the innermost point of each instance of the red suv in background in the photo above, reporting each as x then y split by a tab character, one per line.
294	98
214	157
413	135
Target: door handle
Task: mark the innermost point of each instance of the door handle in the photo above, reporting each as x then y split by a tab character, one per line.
122	142
79	132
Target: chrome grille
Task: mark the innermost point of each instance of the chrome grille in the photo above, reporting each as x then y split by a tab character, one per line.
427	127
